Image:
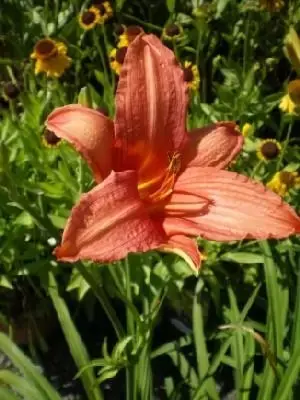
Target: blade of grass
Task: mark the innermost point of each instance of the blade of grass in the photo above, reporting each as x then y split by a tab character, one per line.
21	386
249	367
76	346
275	329
171	346
217	359
237	345
27	368
104	301
7	394
296	324
185	369
289	378
200	343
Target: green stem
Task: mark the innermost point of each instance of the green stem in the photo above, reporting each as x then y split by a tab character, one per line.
246	45
131	383
286	142
103	299
140	21
101	54
129	318
106	44
256	168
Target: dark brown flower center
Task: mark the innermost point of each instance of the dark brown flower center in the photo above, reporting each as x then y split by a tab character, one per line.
270	150
172	30
88	17
133	31
11	90
188	75
294	91
120	54
287	178
45	48
51	138
101	8
98	3
119	30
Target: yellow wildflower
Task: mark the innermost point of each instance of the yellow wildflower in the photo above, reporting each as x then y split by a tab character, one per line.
290	103
191	75
51	57
105	10
128	35
172	32
49	139
283	181
272	5
117	57
292	48
247	129
268	149
89	19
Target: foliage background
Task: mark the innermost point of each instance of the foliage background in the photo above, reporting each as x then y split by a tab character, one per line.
234	330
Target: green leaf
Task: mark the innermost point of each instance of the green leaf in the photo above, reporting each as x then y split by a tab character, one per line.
296	325
275	328
171	346
57	221
5	282
208	384
243	257
27	368
221	5
119	4
120	348
185	369
76	346
24	219
171	5
22	386
107	373
7	394
249	367
289	378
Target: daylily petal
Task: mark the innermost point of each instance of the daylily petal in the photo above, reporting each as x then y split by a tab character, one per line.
151	104
186	248
239	208
212	146
109	222
183	203
89	131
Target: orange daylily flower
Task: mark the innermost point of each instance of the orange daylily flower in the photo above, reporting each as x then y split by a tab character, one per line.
159	187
